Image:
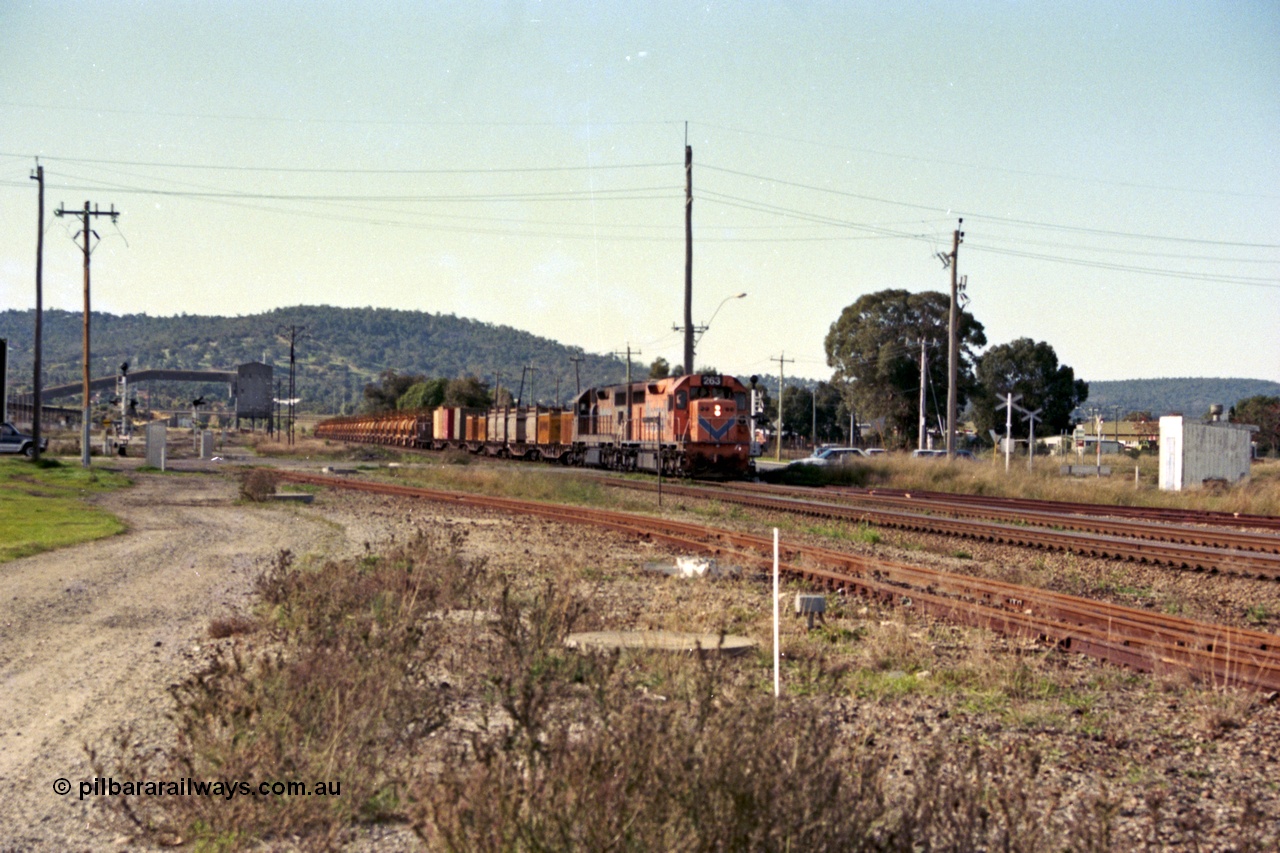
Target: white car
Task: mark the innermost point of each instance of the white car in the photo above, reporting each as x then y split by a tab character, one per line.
832	456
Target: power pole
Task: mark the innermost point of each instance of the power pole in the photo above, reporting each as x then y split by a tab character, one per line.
924	366
688	253
814	429
629	353
782	360
295	334
577	374
953	343
38	177
86	232
532	396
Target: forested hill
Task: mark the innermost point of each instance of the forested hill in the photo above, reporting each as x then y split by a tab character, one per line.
1187	395
340	350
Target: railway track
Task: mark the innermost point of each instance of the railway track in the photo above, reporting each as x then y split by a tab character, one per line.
1254	555
1161	514
1220	655
1101	520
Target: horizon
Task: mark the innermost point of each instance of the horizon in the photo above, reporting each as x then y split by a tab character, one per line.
789	377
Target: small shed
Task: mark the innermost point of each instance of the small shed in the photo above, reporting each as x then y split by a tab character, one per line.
1192	452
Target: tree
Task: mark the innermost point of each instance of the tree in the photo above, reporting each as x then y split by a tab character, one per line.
468	391
1264	413
383	395
874	347
1031	369
660	369
832	417
797	411
423	395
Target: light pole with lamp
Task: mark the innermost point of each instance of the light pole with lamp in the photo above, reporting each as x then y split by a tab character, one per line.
699	331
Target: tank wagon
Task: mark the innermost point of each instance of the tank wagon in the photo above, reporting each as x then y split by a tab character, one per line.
684	426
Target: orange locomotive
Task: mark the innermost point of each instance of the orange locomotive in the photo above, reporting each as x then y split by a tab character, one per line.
688	426
685	426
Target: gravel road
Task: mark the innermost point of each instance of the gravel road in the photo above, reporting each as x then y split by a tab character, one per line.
90	636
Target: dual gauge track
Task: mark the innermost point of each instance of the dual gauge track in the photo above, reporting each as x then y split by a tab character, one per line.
1140	639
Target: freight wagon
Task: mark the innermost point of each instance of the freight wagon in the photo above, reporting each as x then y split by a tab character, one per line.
688	426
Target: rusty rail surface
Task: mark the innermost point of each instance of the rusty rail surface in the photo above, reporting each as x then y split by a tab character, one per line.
1247	554
1042	513
1217	654
1164	514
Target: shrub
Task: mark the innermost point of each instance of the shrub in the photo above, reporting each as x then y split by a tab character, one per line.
258	484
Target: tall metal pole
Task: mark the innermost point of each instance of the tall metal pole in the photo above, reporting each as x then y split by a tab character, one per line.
39	345
782	361
577	374
953	346
688	256
924	365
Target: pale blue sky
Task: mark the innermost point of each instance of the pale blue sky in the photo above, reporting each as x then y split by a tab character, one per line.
522	163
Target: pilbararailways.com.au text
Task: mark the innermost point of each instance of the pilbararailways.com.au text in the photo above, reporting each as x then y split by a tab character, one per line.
226	789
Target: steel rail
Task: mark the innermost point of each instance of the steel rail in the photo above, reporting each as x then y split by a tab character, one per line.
1163	514
1135	638
1254	564
1100	523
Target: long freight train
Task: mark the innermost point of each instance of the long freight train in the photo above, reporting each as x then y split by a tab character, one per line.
685	426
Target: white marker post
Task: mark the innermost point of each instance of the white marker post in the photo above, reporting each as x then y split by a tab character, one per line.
777	655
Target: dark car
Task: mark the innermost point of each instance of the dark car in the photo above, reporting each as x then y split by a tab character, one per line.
942	454
12	440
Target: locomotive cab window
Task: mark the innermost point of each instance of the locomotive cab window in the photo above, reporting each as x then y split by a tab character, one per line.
682	399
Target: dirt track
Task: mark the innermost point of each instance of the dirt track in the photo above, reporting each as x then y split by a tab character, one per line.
90	636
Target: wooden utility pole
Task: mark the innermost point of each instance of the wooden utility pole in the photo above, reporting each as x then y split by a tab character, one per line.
38	177
86	232
782	360
953	344
688	254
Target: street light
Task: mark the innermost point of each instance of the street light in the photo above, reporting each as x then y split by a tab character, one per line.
701	330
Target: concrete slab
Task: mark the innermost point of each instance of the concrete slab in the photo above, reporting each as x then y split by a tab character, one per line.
663	641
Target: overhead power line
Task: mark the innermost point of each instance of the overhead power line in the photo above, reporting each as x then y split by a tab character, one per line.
836	146
151	164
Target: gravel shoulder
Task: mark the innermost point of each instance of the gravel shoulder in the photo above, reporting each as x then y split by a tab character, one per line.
90	636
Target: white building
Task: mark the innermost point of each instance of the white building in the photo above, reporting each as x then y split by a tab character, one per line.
1192	451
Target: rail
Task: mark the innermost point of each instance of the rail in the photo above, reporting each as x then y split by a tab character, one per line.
1140	639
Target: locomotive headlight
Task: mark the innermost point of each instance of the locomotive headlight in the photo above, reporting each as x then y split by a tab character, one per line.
717	410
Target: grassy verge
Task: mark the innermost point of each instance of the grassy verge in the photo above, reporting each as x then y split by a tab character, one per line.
42	507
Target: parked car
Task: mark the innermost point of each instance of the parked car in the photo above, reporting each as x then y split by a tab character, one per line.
942	454
831	456
12	440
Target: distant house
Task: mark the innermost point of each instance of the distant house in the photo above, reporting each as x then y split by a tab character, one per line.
1130	435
